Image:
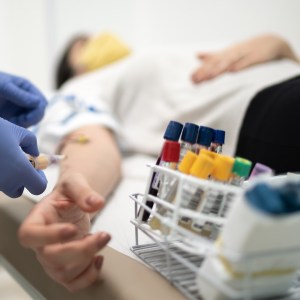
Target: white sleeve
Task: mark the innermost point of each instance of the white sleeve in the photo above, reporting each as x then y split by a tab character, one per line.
66	113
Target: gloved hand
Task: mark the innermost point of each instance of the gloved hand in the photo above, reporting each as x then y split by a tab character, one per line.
16	172
20	101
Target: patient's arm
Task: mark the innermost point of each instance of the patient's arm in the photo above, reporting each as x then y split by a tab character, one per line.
57	229
98	160
237	57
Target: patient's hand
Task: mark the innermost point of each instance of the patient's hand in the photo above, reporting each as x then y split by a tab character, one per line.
57	229
254	51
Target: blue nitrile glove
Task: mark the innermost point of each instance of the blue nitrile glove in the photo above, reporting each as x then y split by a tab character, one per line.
20	101
16	172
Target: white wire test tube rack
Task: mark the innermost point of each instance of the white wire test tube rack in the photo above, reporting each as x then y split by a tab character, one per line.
177	251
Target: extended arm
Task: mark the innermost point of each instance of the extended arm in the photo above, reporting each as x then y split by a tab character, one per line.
237	57
58	227
98	160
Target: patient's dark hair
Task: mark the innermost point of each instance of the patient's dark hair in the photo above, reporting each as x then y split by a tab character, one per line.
64	70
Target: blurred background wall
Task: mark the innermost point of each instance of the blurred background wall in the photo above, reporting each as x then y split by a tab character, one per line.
34	32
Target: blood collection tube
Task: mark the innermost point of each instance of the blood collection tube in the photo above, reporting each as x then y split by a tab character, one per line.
172	133
187	190
240	172
215	199
188	138
199	166
221	173
204	139
169	159
217	141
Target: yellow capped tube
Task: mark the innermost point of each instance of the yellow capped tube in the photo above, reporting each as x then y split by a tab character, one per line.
187	162
223	167
203	166
192	195
209	153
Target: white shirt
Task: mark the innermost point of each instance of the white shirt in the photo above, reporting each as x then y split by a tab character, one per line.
137	97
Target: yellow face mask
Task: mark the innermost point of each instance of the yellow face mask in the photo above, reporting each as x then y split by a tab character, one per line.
103	50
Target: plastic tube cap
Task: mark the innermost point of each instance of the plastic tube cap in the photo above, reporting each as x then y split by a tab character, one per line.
173	131
189	133
241	167
202	166
260	169
205	136
219	136
209	153
223	167
171	151
187	162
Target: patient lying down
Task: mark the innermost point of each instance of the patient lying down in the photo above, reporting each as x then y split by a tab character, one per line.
123	108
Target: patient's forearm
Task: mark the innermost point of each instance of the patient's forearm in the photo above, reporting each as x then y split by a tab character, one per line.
58	228
98	160
277	45
267	47
287	51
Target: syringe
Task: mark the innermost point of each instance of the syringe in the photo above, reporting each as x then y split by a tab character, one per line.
43	161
